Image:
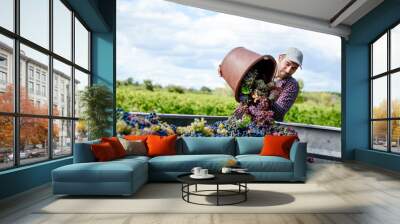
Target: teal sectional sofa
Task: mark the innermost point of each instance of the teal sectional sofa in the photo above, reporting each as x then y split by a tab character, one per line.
125	176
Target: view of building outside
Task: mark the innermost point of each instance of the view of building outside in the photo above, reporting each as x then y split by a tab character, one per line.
34	86
34	115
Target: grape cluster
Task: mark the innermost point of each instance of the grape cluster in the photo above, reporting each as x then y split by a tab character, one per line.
255	98
148	124
233	126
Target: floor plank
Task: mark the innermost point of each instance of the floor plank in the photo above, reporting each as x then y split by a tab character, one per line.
376	189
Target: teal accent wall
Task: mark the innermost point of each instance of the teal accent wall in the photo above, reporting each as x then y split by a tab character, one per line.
24	178
90	12
100	17
103	64
355	85
380	159
104	54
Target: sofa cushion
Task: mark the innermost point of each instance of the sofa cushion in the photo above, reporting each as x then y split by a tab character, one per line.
185	163
111	171
132	158
277	145
207	145
257	163
136	137
116	145
161	145
103	151
134	147
249	145
83	152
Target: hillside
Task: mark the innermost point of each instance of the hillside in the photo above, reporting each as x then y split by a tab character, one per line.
320	108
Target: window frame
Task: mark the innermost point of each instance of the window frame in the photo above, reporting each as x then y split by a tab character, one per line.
388	74
16	114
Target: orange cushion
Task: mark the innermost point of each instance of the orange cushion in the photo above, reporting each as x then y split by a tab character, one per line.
103	152
116	145
161	145
136	137
277	145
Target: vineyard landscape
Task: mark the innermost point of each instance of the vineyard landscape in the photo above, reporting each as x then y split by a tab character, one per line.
317	108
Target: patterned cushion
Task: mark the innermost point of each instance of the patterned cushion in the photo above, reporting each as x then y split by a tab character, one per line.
134	147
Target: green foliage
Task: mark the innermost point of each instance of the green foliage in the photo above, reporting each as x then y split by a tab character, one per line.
148	84
205	89
245	90
97	105
175	89
129	81
319	108
161	101
123	128
314	114
245	121
301	84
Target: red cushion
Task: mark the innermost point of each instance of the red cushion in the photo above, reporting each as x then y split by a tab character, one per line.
161	145
103	151
136	137
277	145
116	145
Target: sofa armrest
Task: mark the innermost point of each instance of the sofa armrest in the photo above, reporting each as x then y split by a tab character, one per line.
83	152
298	155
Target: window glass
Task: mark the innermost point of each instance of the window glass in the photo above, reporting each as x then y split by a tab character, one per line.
39	62
6	74
33	139
62	137
379	135
34	81
395	136
81	45
7	14
395	47
395	94
62	91
62	29
379	56
81	82
81	131
379	97
34	21
6	142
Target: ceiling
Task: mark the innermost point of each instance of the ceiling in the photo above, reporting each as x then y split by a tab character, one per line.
326	16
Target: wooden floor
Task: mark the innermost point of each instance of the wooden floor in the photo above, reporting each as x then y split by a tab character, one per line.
378	189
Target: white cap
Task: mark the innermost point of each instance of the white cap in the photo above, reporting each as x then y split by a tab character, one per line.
294	55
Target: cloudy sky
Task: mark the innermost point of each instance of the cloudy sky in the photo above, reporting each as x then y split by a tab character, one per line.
176	44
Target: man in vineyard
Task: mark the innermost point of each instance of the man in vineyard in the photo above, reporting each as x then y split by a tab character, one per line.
287	65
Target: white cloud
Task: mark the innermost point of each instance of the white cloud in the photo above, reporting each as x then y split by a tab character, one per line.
174	44
320	81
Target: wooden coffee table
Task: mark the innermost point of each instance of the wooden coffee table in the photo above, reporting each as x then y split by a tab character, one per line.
238	179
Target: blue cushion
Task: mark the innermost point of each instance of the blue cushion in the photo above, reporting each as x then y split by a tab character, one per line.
257	163
249	145
111	171
185	163
298	154
93	172
207	145
133	157
83	153
118	177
